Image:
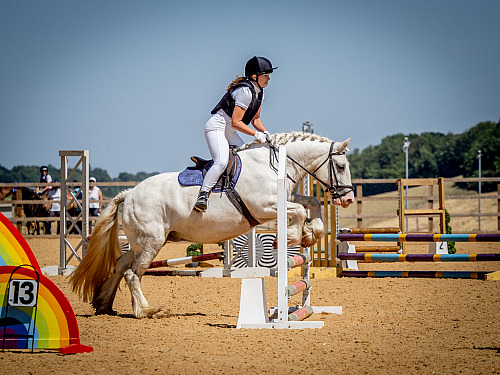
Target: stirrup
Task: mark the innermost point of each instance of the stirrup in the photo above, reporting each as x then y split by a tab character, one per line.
202	202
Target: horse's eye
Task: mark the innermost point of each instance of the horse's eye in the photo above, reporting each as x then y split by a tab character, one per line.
340	167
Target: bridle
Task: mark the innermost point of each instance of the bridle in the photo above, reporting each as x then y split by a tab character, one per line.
332	175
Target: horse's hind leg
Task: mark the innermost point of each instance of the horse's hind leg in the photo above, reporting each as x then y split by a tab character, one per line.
103	301
133	277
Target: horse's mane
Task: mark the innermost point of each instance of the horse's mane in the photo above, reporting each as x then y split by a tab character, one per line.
278	139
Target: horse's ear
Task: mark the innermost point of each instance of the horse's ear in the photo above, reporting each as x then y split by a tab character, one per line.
344	145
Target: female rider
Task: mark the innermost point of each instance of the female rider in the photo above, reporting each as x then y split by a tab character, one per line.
239	107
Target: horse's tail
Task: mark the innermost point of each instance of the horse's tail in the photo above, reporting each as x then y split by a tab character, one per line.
103	251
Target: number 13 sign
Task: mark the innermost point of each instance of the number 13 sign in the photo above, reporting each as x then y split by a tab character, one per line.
23	293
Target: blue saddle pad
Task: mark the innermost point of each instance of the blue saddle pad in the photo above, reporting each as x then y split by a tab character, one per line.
194	177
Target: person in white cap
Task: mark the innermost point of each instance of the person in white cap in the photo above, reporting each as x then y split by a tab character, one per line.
95	194
239	107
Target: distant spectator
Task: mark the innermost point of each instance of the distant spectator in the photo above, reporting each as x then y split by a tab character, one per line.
77	191
45	177
94	194
55	208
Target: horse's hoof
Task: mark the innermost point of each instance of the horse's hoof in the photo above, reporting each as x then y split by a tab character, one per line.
162	313
307	242
154	312
103	311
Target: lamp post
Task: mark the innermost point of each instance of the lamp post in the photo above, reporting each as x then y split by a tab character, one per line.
307	127
479	155
406	146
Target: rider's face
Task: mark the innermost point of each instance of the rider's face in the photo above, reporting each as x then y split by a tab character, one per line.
263	80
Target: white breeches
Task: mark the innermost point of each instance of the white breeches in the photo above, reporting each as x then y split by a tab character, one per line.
219	136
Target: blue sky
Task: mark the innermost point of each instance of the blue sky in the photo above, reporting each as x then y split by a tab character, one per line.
134	81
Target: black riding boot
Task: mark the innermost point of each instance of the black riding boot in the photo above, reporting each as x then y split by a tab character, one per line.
202	201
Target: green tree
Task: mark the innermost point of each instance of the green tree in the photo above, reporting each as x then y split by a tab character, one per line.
485	136
100	175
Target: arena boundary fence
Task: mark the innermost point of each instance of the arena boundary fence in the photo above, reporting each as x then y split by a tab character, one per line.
360	216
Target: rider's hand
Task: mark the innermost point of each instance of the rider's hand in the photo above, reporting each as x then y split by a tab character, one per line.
268	136
260	137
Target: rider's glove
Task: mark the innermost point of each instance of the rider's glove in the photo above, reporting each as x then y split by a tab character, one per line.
268	136
260	137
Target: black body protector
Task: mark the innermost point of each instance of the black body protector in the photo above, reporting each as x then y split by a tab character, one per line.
227	102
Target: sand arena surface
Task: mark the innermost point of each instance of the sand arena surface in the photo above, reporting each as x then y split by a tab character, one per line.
388	326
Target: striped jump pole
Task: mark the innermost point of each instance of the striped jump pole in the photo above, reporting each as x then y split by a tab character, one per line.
184	260
301	314
421	274
298	260
298	287
367	257
173	272
420	237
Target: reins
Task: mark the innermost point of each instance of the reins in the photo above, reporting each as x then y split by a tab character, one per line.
332	188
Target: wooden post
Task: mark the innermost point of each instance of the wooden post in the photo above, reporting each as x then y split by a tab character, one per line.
430	205
315	250
498	203
64	243
441	204
319	242
359	202
401	211
18	214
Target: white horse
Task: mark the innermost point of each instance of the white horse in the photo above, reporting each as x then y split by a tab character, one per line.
159	210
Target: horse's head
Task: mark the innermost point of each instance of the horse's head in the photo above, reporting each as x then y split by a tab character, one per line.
5	192
335	175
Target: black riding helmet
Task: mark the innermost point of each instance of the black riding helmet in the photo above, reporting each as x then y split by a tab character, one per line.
44	168
258	65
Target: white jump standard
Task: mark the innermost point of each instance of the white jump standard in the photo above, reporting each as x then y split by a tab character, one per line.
253	310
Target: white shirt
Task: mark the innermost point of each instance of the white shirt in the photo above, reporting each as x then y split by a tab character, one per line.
55	195
94	194
242	97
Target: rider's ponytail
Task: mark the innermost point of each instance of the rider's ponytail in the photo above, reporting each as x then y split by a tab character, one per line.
238	79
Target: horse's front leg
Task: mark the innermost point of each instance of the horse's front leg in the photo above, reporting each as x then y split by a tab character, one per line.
296	215
314	227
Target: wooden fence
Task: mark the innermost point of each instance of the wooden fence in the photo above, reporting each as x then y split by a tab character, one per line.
16	214
430	197
362	216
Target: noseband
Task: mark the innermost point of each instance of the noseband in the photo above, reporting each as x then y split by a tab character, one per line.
334	185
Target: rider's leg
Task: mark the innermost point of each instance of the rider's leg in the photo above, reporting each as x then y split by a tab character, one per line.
219	150
233	137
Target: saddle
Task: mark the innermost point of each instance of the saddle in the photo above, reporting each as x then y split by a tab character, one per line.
193	176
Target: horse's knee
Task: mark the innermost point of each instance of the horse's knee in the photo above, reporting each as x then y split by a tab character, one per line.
312	231
296	219
318	227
